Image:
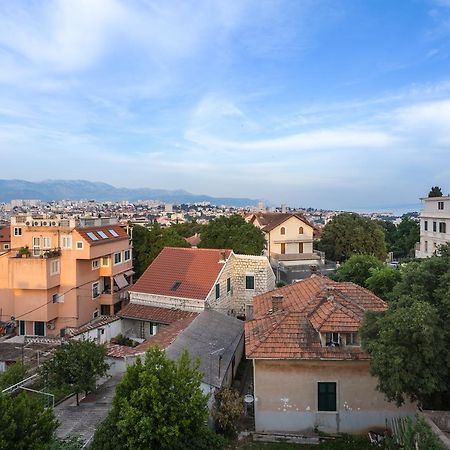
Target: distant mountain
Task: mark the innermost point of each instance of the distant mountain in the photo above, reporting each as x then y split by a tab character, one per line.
49	190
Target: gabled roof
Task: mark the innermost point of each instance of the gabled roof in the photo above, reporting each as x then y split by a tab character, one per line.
313	305
5	233
269	221
153	313
103	234
182	272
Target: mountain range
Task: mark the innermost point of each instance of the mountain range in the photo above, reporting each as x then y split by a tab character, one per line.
49	190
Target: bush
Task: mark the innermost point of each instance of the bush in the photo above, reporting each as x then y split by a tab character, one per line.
228	407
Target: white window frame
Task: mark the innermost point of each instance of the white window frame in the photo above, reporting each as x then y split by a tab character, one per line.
107	258
46	242
55	267
128	250
6	246
95	314
120	258
97	285
250	274
78	246
34	328
17	231
66	242
439	206
95	264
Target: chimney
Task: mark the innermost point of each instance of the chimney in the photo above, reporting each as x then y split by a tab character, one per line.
277	302
223	256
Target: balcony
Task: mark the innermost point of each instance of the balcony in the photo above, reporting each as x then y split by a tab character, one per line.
298	239
291	257
110	298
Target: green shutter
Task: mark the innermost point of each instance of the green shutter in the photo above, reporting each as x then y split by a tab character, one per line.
217	291
327	396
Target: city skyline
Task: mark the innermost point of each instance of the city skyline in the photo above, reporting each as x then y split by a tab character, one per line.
339	106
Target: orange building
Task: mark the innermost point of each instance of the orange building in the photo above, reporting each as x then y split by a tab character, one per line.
62	273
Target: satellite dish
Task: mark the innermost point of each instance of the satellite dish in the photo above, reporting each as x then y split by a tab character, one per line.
249	399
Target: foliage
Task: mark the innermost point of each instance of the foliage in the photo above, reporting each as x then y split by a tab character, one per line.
401	240
435	191
25	423
158	405
408	343
382	281
228	408
12	375
417	432
348	234
358	268
69	443
235	233
188	229
123	340
77	364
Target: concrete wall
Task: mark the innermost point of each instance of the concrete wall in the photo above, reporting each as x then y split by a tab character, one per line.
164	301
102	334
286	397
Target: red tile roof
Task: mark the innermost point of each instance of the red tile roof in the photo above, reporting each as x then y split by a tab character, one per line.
269	221
196	269
153	313
5	234
308	307
96	323
121	234
193	240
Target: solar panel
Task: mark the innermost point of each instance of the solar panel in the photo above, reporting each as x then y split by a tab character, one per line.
175	286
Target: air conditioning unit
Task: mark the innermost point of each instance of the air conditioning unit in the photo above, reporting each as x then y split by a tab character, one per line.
44	223
36	223
27	223
54	223
51	325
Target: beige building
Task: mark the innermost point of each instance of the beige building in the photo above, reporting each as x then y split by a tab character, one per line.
289	238
62	273
310	372
434	225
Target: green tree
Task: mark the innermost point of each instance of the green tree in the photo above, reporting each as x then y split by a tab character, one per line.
77	364
408	343
435	191
348	234
357	269
408	233
382	281
12	375
235	233
158	405
188	229
25	423
228	408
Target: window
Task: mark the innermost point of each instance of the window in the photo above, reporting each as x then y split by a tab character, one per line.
66	242
92	236
58	298
283	230
434	227
442	227
46	242
175	285
102	234
79	245
117	258
440	205
17	231
332	339
283	248
351	339
217	291
300	247
326	396
114	233
22	327
39	328
153	328
300	230
127	255
228	284
54	267
95	289
425	225
95	314
426	246
249	282
6	246
105	261
95	264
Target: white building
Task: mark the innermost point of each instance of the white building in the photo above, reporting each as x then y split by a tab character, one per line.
434	225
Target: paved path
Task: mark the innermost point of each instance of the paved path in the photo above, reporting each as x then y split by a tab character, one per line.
82	420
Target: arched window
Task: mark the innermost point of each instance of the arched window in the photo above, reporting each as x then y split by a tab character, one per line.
283	230
300	230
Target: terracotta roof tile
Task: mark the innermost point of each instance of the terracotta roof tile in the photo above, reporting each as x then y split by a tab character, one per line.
153	313
310	306
92	325
106	230
182	272
5	234
269	221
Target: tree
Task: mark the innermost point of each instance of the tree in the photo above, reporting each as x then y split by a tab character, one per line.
435	191
25	423
12	375
401	240
235	233
357	269
382	281
77	364
408	343
228	408
158	405
348	234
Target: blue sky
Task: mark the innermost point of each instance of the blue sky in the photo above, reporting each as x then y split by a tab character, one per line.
338	104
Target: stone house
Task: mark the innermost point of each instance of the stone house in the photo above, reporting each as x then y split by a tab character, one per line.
310	372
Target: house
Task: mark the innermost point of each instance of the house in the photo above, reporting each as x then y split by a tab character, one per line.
289	238
434	225
5	238
194	279
62	273
310	372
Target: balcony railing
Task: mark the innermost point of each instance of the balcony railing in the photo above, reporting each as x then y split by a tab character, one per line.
26	252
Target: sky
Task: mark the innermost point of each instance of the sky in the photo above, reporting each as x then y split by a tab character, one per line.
341	104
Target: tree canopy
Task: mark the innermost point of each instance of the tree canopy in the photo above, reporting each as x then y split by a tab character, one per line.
358	268
158	405
435	191
235	233
401	239
77	364
348	234
408	343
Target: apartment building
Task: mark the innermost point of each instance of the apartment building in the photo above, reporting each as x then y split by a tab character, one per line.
434	225
62	273
5	238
